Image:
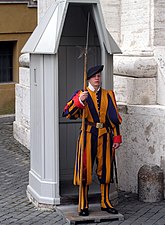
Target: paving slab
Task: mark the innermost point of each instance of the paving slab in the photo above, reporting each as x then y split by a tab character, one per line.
70	214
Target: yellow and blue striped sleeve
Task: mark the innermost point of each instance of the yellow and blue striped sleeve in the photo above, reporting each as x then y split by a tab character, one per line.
73	108
114	117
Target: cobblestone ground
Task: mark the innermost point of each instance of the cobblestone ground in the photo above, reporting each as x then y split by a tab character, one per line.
16	209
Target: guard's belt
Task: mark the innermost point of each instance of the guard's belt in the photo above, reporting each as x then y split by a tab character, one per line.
97	125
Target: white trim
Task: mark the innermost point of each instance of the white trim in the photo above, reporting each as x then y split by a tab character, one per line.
41	200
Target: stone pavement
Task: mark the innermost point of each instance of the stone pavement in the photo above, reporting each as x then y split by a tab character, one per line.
16	209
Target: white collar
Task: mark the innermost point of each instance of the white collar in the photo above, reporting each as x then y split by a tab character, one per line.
92	88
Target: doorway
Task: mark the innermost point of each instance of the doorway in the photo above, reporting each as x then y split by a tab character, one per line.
72	41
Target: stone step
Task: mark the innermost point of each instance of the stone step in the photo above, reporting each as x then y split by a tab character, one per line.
71	216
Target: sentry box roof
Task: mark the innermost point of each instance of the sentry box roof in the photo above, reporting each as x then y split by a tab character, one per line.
46	37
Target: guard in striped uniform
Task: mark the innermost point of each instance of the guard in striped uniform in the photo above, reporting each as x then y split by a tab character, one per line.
102	136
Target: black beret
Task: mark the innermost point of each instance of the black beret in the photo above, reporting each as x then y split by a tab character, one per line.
94	70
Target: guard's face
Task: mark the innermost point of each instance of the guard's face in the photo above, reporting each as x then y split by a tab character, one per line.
95	80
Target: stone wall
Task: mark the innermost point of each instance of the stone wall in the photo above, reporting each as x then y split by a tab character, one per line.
111	13
136	25
21	124
159	21
159	50
159	53
139	83
43	5
143	142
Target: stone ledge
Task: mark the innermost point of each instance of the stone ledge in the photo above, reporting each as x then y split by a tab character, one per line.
95	214
131	66
24	60
140	91
152	110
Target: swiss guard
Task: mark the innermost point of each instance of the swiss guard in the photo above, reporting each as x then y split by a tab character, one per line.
100	139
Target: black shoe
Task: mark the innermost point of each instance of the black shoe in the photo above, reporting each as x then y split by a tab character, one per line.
110	210
84	212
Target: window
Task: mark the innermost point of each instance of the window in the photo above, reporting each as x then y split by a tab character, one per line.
6	61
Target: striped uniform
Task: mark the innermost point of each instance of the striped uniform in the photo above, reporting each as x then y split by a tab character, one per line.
100	107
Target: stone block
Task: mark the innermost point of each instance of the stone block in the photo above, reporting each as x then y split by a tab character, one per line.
144	67
21	134
135	24
26	106
23	104
21	126
69	213
18	102
159	22
159	53
24	76
19	91
111	9
150	183
160	88
140	91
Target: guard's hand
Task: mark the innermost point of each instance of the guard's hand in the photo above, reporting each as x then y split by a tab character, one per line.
116	145
84	96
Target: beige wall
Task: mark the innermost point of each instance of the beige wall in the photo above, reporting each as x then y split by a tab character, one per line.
17	23
7	98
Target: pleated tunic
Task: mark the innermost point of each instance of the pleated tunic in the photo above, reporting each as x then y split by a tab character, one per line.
100	107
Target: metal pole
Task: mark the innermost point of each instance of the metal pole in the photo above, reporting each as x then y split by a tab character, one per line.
83	116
